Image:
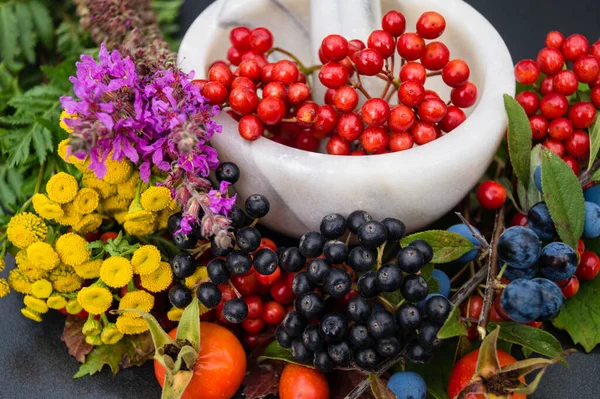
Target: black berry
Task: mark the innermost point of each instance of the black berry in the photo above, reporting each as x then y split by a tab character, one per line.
381	324
311	305
323	362
359	309
311	338
265	262
228	171
317	270
238	262
437	308
366	359
367	285
340	352
424	248
395	228
180	296
294	323
410	259
209	295
414	288
336	252
357	219
311	244
333	226
283	338
408	318
337	283
174	223
183	265
358	337
257	206
292	260
300	353
362	259
389	278
217	250
428	336
217	271
235	310
185	241
301	284
388	347
248	239
333	327
237	217
372	234
417	354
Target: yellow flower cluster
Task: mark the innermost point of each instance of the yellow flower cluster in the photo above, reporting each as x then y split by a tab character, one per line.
26	228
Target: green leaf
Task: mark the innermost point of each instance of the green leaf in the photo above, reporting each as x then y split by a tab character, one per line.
8	34
102	355
594	141
276	352
530	195
535	339
580	315
596	175
189	325
379	388
437	373
43	22
564	198
27	37
447	246
453	326
519	139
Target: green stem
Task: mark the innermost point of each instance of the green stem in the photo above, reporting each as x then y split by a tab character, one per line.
380	255
131	286
301	66
386	303
104	319
501	271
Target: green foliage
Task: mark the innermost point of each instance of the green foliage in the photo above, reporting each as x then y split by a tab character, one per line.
447	246
167	13
519	139
276	352
594	141
529	338
453	326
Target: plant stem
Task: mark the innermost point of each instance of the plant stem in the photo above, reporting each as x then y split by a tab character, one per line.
379	371
301	66
469	287
436	73
460	272
586	176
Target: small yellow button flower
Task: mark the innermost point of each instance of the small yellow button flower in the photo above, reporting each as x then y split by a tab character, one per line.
137	300
31	314
115	204
4	288
94	340
111	334
26	228
94	299
87	200
2	265
129	325
145	259
175	314
89	270
19	282
42	255
88	223
159	280
156	198
63	125
104	189
70	215
64	279
91	327
116	271
62	188
39	305
41	288
56	302
128	189
72	249
117	171
139	228
46	208
200	274
73	307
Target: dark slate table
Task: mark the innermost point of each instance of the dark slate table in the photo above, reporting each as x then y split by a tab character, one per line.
34	363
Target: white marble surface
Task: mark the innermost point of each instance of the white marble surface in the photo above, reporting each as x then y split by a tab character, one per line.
417	186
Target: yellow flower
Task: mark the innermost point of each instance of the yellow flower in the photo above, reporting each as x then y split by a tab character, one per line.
4	288
138	300
65	115
120	217
115	204
72	249
46	208
18	281
62	188
73	307
145	259
91	327
129	325
70	215
117	171
139	228
31	271
159	280
174	206
42	255
116	271
139	215
199	274
174	314
128	188
87	200
41	288
94	299
31	314
64	279
89	223
56	302
94	340
36	304
26	228
156	198
89	270
162	218
111	334
104	189
2	265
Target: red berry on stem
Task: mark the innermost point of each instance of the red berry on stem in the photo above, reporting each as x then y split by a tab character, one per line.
411	46
565	82
334	47
375	112
555	146
307	114
578	144
271	110
250	127
345	99
595	96
589	266
282	292
326	119
527	72
200	83
274	89
547	85
261	40
464	96
580	246
456	73
286	72
273	313
453	118
245	284
529	101
368	62
401	119
240	38
329	96
582	114
555	39
411	94
587	68
255	306
307	142
554	105
374	139
241	81
258	57
243	100
381	41
431	25
394	23
539	127
550	60
518	219
575	46
338	146
491	195
432	110
570	287
215	92
560	129
268	280
436	56
350	126
298	93
234	56
355	45
573	164
250	69
358	153
333	75
413	71
400	141
423	132
253	326
266	74
431	94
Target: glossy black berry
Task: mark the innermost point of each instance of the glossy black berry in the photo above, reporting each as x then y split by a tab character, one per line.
408	318
333	327
361	259
228	171
414	288
217	271
436	309
358	337
197	230
395	229
381	324
311	244
292	260
238	262
284	339
317	270
367	285
265	262
311	338
219	250
410	259
417	354
337	283
257	206
300	353
174	222
336	252
248	239
180	296
333	226
235	310
388	347
357	219
311	305
359	309
389	278
301	284
183	265
185	241
340	352
428	336
366	359
372	234
237	217
209	295
294	323
323	362
424	248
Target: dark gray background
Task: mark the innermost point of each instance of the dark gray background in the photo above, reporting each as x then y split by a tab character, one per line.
34	363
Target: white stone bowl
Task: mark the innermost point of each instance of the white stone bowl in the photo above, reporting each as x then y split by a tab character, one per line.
417	186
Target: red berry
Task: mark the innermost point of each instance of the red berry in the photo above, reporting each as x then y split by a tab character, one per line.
431	25
350	126
251	70
354	46
358	153
333	75
243	100
345	99
274	89
255	306
411	46
560	129
381	41
572	163
261	40
241	81
431	94
595	96
411	94
246	285
322	58
298	93
273	313
578	144
456	73
401	119
250	127
491	195
555	39
423	132
253	326
569	288
307	142
453	118
234	56
518	219
240	38
400	141
282	292
329	96
539	127
375	112
436	56
565	82
307	114
464	96
286	72
394	23
368	62
473	306
413	71
338	146
200	83
271	110
374	139
580	246
334	47
529	101
554	105
226	294
432	110
215	92
326	119
547	85
555	146
527	72
266	74
550	61
258	57
587	68
589	266
575	46
582	114
268	280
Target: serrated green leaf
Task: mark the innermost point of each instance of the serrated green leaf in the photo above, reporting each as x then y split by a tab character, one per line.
43	22
453	326
594	141
564	198
596	175
20	151
42	142
509	190
536	339
276	352
27	38
519	139
17	120
8	34
102	355
447	246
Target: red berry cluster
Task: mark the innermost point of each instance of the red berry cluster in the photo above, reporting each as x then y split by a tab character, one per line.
558	121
